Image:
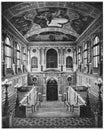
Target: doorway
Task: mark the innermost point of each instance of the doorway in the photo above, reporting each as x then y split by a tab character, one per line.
52	90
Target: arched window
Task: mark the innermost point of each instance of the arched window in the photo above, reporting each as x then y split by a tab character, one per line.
89	51
24	56
51	58
85	55
96	52
34	62
79	56
8	53
69	62
18	55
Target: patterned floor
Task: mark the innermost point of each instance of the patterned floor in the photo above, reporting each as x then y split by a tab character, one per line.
53	122
53	115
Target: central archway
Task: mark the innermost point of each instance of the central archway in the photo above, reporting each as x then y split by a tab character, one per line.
51	58
52	90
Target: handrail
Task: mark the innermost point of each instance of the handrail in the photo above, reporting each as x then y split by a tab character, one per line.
31	93
74	98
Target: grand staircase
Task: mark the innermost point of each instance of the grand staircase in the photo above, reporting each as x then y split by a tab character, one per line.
52	109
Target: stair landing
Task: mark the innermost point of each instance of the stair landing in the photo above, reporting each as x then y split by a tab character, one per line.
53	109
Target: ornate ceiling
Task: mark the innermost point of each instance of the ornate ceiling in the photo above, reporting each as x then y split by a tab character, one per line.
51	21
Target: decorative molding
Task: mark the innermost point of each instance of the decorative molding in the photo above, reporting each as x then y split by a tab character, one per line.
53	43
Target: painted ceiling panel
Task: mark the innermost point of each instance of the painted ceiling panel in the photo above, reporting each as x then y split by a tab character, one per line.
62	4
51	17
31	19
51	36
23	7
51	4
8	14
41	4
79	6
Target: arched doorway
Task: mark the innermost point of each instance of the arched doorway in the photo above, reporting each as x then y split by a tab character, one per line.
51	58
52	90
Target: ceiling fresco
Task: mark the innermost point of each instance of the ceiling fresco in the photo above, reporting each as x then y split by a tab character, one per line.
46	22
51	36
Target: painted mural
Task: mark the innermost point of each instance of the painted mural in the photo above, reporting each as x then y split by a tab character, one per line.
51	17
51	36
73	22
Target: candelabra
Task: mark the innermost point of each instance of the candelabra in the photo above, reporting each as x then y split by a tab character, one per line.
88	106
6	83
87	98
99	84
17	101
69	80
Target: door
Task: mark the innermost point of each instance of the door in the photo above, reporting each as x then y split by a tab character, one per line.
52	90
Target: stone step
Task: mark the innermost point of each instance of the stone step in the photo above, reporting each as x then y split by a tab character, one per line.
55	104
52	109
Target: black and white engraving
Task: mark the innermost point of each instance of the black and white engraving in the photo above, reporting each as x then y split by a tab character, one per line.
52	64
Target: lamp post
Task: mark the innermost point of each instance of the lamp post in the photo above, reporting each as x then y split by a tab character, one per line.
87	98
87	101
17	101
99	84
6	83
69	81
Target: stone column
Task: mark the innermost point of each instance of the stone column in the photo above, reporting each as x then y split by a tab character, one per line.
40	56
39	68
44	58
40	51
44	88
64	60
29	60
59	58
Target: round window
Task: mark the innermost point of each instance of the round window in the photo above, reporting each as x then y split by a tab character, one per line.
69	50
34	50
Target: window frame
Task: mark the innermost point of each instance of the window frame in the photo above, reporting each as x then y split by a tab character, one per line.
85	54
10	47
96	53
18	54
68	66
35	62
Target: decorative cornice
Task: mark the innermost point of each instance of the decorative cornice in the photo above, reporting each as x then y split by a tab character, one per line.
53	43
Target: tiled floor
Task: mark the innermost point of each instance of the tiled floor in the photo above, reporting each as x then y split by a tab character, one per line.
53	115
53	122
